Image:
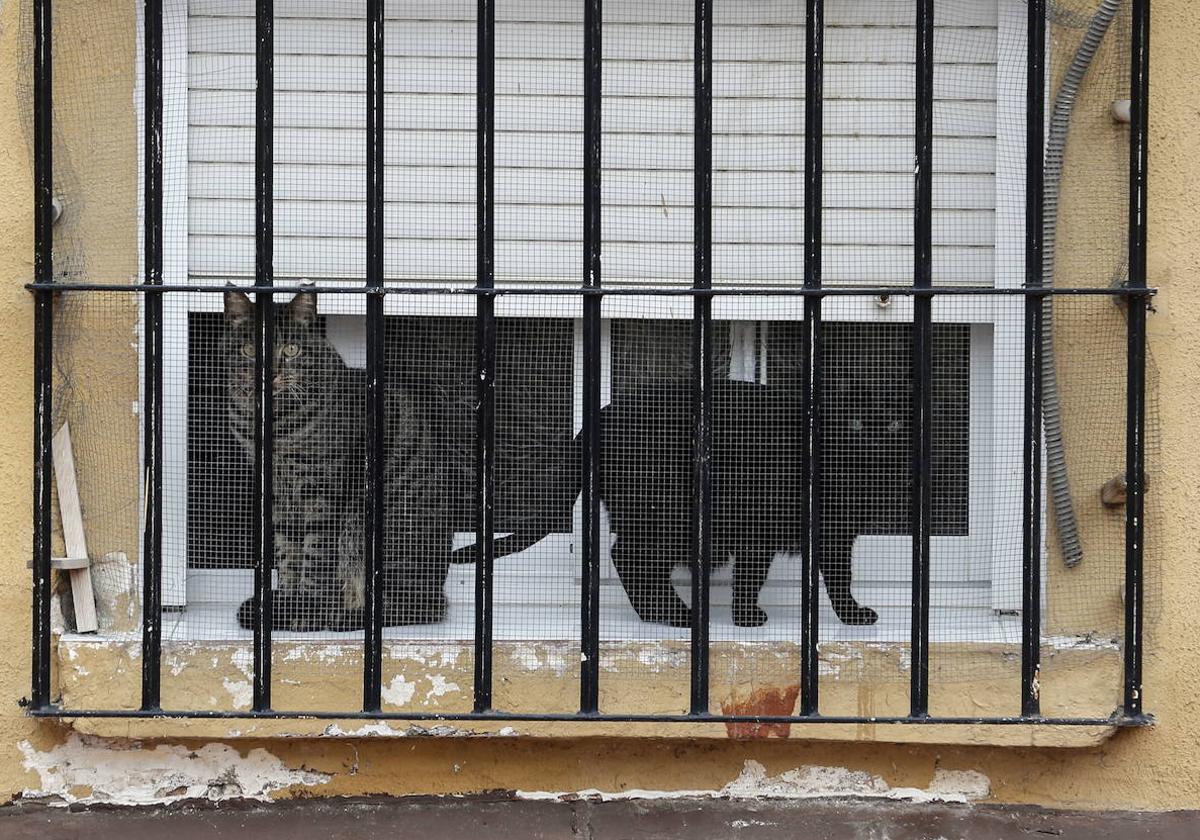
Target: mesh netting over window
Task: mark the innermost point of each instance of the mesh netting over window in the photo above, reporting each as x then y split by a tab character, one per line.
758	231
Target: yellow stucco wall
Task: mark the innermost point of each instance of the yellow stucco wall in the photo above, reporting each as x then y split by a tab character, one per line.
1155	768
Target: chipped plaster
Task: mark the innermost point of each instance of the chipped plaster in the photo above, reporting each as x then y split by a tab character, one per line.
399	691
93	771
806	782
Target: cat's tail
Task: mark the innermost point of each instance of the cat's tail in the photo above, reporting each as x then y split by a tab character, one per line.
545	508
504	546
289	611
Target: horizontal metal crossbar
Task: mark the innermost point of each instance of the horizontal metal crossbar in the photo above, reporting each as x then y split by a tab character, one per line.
613	291
1116	719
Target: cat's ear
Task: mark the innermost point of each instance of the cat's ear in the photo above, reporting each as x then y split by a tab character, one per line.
303	308
238	308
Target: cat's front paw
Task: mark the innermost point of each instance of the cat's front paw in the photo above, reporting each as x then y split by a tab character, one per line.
675	615
415	608
290	612
749	615
855	614
246	614
345	620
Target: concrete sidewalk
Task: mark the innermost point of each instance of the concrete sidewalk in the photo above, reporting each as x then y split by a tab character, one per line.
481	818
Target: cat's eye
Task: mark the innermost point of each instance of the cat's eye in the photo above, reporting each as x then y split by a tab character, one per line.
291	351
248	350
895	425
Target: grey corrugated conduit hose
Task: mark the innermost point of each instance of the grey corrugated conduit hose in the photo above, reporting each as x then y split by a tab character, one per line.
1056	141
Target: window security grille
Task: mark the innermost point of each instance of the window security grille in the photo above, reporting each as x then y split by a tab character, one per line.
708	381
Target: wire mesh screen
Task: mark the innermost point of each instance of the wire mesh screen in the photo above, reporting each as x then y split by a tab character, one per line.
455	208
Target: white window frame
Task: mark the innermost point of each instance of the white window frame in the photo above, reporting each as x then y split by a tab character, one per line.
997	331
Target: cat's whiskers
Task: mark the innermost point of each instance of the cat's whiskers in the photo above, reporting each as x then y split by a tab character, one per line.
291	386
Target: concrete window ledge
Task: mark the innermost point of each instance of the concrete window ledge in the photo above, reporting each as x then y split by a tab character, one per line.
1080	679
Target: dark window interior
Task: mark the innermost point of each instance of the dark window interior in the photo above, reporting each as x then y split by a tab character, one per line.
867	399
533	421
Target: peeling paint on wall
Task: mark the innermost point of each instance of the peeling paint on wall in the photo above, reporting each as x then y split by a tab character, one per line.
384	729
399	691
376	729
815	781
440	686
948	785
808	782
241	693
526	656
93	771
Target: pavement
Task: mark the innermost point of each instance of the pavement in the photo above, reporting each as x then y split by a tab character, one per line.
477	818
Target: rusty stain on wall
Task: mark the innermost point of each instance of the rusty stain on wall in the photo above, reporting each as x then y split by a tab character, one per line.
768	701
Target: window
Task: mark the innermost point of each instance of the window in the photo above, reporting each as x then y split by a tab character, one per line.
794	396
758	151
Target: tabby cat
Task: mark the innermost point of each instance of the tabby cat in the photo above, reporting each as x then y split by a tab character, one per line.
319	479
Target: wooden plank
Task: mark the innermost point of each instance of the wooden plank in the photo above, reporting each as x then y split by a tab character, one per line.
561	77
70	563
628	187
456	39
72	526
65	563
438	113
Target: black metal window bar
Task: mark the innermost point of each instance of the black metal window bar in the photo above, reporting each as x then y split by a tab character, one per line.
1034	292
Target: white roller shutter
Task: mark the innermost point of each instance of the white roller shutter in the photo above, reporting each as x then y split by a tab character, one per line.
758	152
647	145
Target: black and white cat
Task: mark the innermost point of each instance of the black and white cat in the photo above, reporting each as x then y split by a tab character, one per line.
646	469
756	463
